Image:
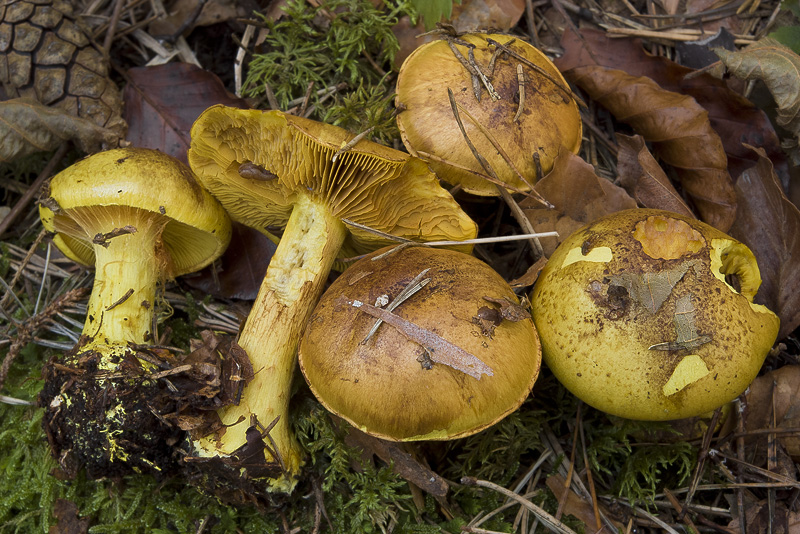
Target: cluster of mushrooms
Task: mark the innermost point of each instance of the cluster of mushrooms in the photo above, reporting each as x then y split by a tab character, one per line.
643	314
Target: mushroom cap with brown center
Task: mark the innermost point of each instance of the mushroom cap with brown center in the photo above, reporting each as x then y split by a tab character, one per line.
381	386
196	229
369	184
549	121
649	315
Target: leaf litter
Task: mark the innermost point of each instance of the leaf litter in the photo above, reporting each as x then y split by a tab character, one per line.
765	220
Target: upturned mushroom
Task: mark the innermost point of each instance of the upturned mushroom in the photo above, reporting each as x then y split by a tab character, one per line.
140	218
271	171
455	352
647	314
514	105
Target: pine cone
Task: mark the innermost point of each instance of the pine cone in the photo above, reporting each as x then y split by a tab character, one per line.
46	54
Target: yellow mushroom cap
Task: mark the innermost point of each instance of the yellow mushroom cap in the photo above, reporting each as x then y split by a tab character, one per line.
369	184
649	315
549	120
197	228
380	386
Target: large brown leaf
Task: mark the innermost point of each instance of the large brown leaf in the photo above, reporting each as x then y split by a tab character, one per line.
779	68
769	224
732	116
28	126
680	132
644	179
579	197
239	272
162	103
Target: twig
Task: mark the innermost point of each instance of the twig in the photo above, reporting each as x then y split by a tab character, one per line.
14	401
112	26
515	209
33	190
413	286
549	521
439	349
521	82
677	505
589	479
21	268
351	143
27	329
701	460
687	35
540	70
241	52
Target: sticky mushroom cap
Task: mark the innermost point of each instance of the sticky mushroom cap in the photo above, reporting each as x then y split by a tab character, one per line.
370	184
549	120
197	228
649	315
381	386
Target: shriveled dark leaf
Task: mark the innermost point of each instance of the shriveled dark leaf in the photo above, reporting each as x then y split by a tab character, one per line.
67	520
239	271
679	130
733	117
162	103
28	126
644	179
185	15
578	506
579	197
769	224
779	68
466	16
773	397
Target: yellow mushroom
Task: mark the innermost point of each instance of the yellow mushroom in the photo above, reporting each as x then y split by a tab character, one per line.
275	171
140	218
545	122
649	315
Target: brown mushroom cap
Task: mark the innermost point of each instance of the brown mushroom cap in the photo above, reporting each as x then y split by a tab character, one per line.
197	228
549	121
649	315
380	386
370	184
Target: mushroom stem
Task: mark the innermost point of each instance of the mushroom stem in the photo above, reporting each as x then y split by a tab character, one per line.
294	282
127	271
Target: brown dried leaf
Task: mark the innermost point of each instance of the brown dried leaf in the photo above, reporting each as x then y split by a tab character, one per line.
651	289
162	103
509	310
28	126
680	132
577	506
579	197
644	179
772	396
239	271
67	520
779	68
769	224
735	119
686	332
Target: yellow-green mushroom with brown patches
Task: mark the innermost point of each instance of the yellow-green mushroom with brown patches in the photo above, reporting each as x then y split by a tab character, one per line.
140	218
275	171
649	315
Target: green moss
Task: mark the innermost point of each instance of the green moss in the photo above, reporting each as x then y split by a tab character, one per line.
329	45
